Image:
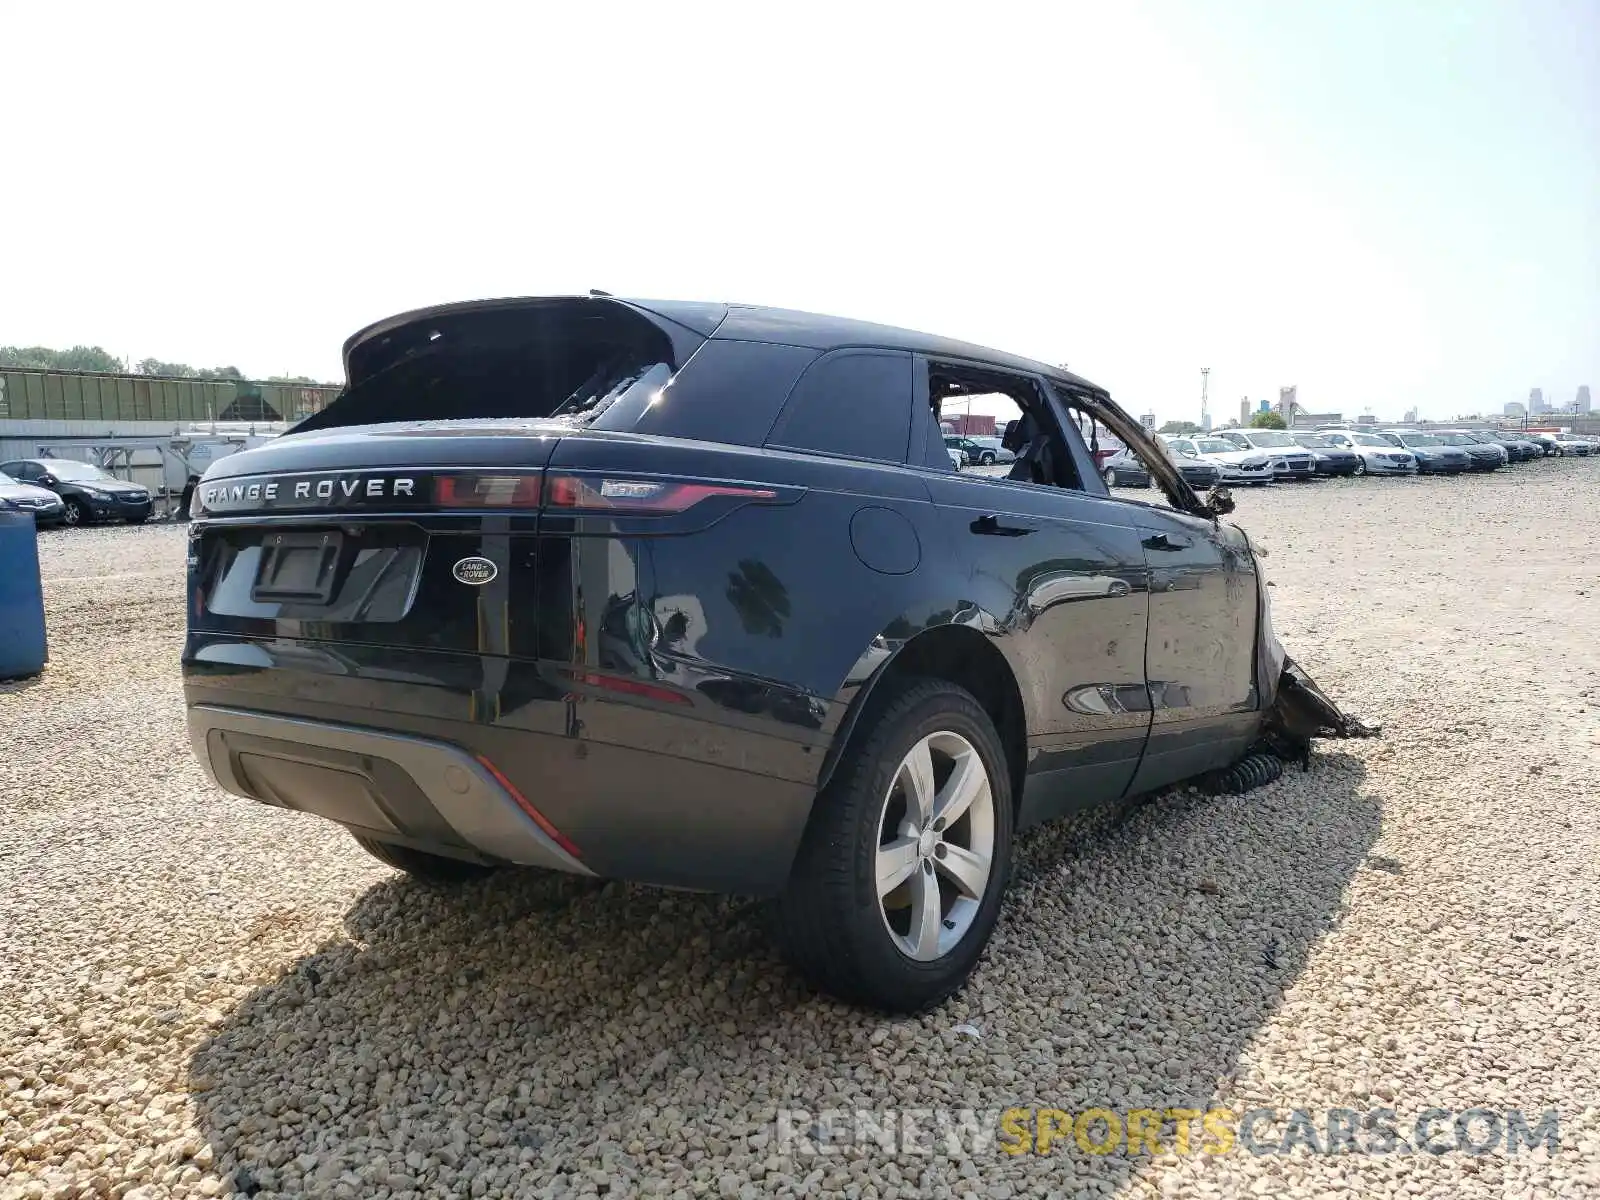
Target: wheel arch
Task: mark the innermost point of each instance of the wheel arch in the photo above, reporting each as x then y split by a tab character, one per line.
957	653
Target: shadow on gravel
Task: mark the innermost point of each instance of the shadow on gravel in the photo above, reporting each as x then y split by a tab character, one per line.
530	1026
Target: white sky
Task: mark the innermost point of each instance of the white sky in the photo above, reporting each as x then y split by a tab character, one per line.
1385	204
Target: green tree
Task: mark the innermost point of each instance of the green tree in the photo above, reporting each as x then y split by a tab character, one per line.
1179	429
154	366
221	373
42	358
1267	420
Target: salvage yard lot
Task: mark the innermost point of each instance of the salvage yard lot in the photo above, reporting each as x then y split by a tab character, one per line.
201	996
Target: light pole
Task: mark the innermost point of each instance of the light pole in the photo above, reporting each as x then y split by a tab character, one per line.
1205	404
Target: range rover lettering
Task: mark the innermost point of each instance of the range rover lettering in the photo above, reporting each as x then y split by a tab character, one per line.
692	595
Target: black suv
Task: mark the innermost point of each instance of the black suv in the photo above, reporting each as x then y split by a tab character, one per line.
690	595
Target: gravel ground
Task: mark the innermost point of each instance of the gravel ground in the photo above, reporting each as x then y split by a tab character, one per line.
200	996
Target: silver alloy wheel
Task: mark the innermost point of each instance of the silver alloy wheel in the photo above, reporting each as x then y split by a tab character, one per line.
935	846
1361	466
73	514
1111	477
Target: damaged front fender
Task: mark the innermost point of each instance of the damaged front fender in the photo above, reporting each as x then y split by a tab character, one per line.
1298	711
1301	711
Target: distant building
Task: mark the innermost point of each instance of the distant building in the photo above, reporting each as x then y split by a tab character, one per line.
1366	418
1244	411
1266	406
1205	422
969	424
1411	416
1516	409
1536	401
1582	406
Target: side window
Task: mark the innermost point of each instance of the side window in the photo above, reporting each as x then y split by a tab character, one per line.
1238	440
855	403
22	471
968	399
730	391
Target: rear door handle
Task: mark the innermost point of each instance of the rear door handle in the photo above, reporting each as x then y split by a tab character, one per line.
991	525
1164	541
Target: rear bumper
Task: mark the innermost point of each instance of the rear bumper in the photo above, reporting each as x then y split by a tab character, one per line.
415	790
422	766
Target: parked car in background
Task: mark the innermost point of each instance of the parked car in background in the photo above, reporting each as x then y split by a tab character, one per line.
738	643
1378	457
1197	473
1545	441
958	456
1568	444
993	445
1517	449
1485	456
1289	459
1327	457
47	507
1433	456
977	451
1122	469
89	493
1233	465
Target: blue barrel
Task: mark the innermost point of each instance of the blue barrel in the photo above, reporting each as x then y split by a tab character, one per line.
22	650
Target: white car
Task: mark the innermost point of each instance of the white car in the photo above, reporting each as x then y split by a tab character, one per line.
1378	456
1236	465
1290	460
958	458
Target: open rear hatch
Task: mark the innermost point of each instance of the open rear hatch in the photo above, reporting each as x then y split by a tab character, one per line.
405	513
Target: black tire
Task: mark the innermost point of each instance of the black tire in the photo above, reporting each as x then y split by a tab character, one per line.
1110	477
986	459
419	864
77	513
831	923
1360	467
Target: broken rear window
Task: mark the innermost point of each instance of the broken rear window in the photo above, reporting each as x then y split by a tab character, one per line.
569	361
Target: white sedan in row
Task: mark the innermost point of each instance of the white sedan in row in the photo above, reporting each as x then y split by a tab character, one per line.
1236	465
1379	456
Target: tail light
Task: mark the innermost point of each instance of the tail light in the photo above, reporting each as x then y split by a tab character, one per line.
641	495
486	491
575	492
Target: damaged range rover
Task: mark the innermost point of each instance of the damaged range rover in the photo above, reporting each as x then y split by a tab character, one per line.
690	595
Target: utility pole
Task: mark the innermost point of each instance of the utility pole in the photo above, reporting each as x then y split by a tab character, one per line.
1205	409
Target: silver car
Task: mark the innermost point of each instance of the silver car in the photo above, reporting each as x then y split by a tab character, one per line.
47	507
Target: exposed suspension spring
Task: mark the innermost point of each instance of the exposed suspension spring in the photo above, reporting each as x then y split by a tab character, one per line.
1250	772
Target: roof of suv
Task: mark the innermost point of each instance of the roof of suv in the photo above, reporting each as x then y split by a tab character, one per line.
756	323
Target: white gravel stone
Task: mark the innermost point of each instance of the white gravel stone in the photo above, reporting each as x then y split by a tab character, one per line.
200	996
